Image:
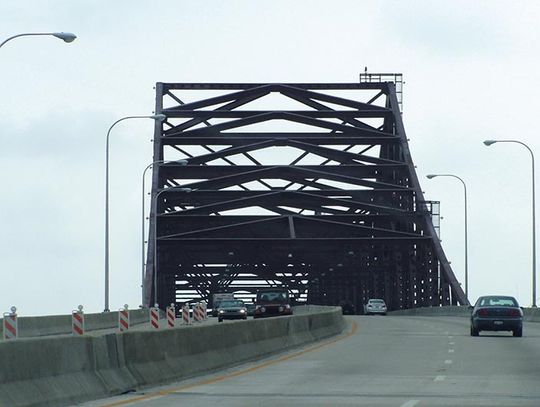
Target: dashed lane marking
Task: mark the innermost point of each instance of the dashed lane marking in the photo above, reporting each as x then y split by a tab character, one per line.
448	362
450	350
439	378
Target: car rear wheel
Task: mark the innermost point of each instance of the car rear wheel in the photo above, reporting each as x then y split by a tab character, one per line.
518	333
220	320
474	331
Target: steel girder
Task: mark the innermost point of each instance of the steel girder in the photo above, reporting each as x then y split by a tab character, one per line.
316	191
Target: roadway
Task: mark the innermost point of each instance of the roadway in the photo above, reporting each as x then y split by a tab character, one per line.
393	361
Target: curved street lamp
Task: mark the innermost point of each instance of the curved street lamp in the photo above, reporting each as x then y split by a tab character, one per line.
66	37
180	162
491	142
155	262
158	117
430	176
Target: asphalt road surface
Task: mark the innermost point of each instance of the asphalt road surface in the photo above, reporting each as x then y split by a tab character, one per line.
380	361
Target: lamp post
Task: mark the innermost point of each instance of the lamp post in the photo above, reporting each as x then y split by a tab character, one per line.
489	143
156	196
430	176
181	162
159	117
66	37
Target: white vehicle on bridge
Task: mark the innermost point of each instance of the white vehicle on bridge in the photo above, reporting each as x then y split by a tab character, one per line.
375	306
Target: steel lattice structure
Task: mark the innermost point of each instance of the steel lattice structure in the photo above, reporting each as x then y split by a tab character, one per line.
311	186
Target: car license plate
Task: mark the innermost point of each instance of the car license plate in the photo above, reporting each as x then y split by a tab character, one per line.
497	322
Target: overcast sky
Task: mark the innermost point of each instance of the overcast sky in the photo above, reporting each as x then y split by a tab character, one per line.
471	73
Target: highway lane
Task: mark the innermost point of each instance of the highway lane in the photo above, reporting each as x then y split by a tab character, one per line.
387	361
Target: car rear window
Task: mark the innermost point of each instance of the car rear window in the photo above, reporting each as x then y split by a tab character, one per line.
498	302
376	301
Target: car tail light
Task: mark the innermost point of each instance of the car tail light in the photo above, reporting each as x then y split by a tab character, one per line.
514	313
483	312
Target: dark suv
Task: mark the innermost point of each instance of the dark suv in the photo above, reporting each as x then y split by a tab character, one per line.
271	302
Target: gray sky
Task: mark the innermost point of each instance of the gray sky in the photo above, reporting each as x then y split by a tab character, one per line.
470	70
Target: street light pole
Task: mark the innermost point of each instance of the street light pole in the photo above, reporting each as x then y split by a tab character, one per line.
430	176
66	37
181	162
156	196
159	117
489	143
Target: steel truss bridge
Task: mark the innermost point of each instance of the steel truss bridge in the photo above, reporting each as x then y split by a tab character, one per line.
307	185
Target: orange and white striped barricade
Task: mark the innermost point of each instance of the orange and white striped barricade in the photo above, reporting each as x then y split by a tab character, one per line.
185	315
154	317
198	312
123	319
171	316
11	330
77	321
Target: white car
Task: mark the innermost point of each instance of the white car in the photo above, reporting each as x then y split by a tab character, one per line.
375	306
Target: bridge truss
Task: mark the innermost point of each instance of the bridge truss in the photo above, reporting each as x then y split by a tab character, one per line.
311	186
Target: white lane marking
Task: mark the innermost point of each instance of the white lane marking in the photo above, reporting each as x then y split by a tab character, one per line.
450	350
410	403
450	337
448	362
439	378
451	343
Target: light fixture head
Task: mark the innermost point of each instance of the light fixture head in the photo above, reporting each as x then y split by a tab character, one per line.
489	142
159	117
429	176
66	37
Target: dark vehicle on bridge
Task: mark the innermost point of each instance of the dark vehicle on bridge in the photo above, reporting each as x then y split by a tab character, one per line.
271	302
347	307
497	313
231	309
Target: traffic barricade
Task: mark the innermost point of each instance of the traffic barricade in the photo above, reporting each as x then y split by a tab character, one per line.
11	330
77	321
197	312
154	317
123	319
171	316
185	315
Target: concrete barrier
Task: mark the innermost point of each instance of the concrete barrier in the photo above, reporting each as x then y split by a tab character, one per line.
529	314
58	371
61	324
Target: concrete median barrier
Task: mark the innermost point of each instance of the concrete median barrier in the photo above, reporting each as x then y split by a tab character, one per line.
59	371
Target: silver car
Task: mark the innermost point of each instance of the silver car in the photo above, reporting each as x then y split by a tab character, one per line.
375	306
231	309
